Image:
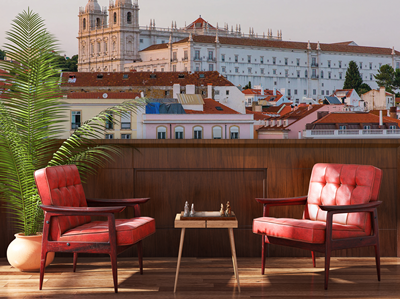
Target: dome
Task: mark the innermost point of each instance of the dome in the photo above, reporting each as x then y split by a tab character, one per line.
92	6
122	2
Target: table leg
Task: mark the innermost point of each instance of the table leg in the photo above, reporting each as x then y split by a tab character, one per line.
234	260
179	257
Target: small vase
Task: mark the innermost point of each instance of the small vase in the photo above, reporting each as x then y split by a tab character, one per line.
24	252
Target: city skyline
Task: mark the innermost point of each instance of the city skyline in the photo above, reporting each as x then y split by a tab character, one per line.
315	20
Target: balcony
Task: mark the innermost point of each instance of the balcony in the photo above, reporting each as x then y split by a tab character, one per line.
185	59
75	126
196	58
314	64
211	59
314	76
359	134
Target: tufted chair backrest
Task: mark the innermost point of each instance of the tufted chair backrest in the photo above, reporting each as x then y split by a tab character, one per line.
343	184
61	186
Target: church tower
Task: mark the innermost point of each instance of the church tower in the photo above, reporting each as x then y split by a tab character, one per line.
108	46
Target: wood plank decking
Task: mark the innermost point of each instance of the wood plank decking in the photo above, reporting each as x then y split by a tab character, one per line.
205	278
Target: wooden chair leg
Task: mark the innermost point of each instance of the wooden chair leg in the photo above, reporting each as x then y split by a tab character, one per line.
313	258
327	264
263	249
43	257
140	256
378	261
113	257
75	260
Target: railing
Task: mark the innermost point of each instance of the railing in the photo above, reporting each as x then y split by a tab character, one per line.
185	59
125	126
353	133
197	58
75	126
314	76
314	64
211	59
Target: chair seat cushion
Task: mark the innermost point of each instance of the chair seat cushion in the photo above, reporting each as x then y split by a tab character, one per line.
303	230
129	231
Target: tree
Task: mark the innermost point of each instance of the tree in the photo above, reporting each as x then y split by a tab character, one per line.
31	117
2	55
353	78
67	64
396	80
385	77
248	86
363	88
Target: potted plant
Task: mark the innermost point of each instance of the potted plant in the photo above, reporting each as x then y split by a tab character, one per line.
31	118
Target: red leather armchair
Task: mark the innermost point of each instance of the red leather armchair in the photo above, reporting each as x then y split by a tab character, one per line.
68	226
340	212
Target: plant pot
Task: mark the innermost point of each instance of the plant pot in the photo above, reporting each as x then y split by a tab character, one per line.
23	252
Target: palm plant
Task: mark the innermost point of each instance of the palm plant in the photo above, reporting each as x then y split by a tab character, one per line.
31	121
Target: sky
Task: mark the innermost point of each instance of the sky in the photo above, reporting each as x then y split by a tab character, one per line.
367	22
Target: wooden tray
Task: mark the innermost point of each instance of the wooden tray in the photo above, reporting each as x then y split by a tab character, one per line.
208	216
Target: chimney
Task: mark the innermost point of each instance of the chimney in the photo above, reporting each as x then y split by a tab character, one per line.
393	112
176	90
274	92
380	118
283	91
262	89
209	91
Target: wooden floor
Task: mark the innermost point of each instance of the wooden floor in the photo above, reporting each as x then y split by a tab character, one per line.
205	278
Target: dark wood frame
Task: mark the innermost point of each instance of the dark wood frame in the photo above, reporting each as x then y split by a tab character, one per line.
330	244
97	207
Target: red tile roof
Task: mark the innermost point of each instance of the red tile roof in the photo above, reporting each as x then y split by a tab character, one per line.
265	43
257	115
103	95
86	79
200	21
351	117
258	91
210	107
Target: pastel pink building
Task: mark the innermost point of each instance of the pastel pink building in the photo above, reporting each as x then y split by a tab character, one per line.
211	121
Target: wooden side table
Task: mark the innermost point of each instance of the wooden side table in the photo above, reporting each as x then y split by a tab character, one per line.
229	224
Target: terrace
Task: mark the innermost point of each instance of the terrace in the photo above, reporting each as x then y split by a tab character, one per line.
208	172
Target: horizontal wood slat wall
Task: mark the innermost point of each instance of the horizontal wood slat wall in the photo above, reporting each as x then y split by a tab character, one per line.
208	172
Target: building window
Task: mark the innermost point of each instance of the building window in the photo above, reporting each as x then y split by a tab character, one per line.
286	73
306	74
340	75
360	65
174	68
197	68
370	65
210	67
197	132
289	92
340	64
236	58
295	91
161	132
370	76
185	54
329	75
227	92
129	18
174	56
98	47
179	132
125	136
223	57
286	61
249	70
115	18
273	60
217	132
298	74
223	69
322	92
314	92
305	92
322	74
262	71
75	119
141	40
197	54
109	136
105	47
313	73
367	127
342	127
274	72
236	70
126	121
298	61
327	92
249	58
210	55
262	59
329	63
84	24
234	132
109	120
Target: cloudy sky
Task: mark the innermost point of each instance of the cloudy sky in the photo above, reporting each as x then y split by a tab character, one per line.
367	22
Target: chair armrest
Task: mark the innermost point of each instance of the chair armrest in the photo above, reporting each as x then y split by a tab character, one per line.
126	202
301	200
367	207
80	211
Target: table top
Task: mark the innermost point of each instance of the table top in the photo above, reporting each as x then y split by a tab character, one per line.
204	223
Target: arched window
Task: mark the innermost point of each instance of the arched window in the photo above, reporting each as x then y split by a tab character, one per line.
234	132
98	47
84	24
179	132
115	18
105	47
217	132
161	133
197	133
98	22
129	18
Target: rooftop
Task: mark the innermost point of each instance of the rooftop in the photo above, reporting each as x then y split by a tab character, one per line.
212	107
354	117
